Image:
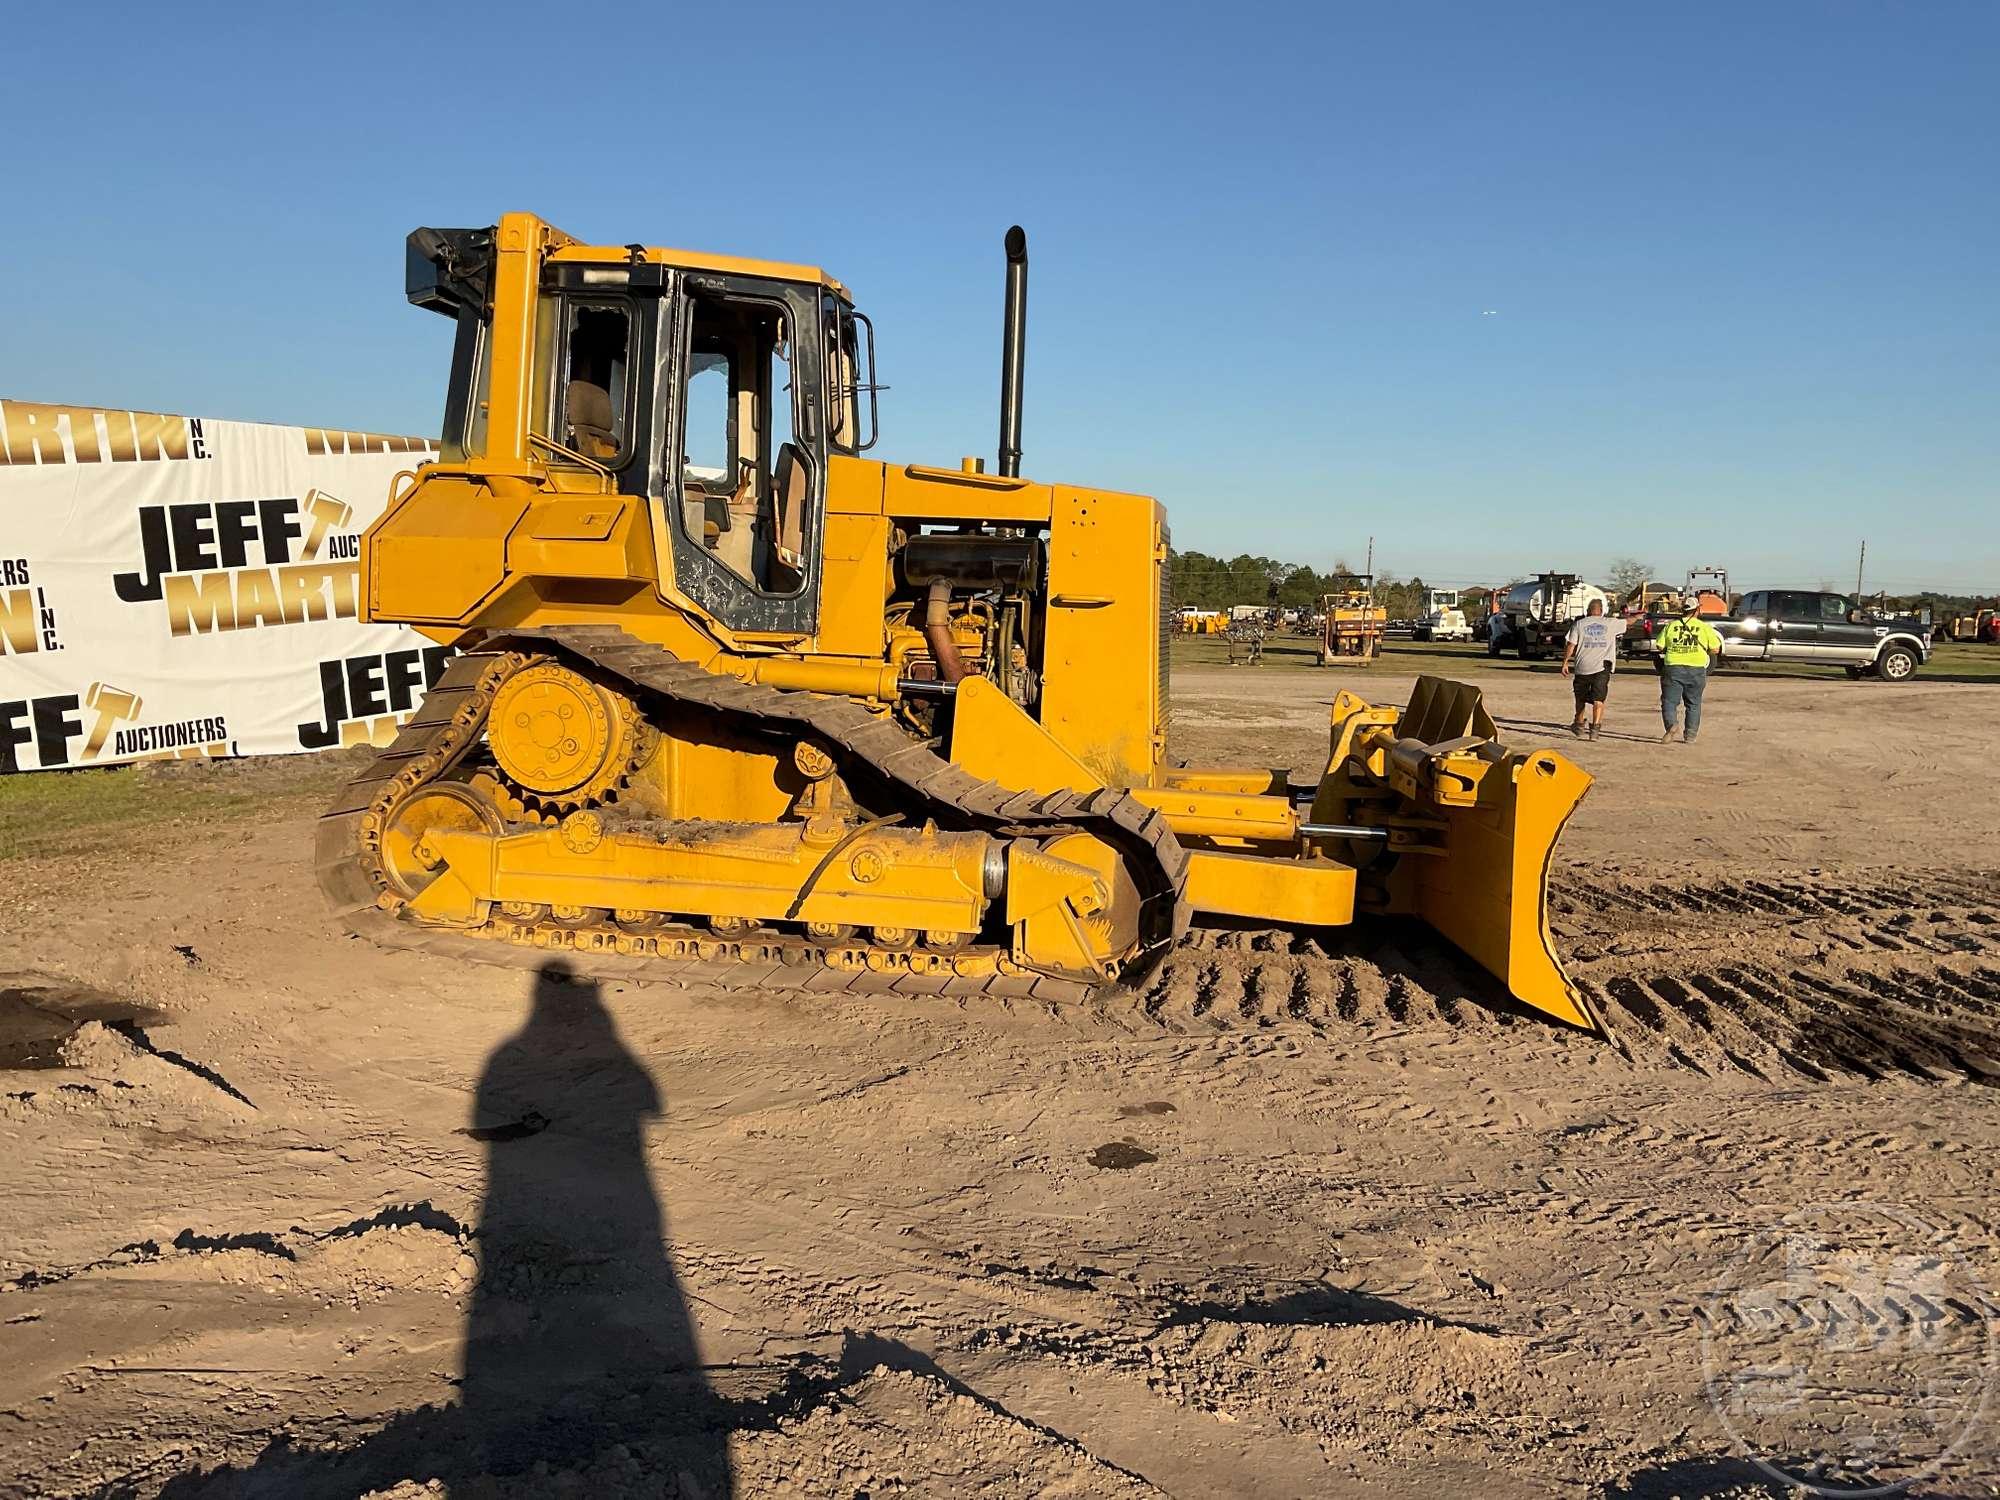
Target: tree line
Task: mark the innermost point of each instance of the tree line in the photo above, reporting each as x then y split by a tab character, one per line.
1206	582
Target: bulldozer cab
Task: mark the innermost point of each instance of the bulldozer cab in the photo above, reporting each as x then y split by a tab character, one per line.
716	390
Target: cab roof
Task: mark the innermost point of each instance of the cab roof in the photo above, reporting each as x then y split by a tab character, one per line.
564	247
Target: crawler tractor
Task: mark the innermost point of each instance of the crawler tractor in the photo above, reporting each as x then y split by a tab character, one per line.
732	697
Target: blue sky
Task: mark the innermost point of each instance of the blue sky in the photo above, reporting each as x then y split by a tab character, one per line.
1506	286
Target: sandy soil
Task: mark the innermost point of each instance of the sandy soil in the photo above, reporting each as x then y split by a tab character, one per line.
1307	1216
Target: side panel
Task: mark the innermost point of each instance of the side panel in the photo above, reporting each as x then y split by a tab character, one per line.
855	568
436	556
853	486
856	574
1101	653
915	492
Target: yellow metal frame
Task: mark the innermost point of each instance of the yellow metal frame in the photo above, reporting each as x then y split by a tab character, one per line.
1477	826
912	879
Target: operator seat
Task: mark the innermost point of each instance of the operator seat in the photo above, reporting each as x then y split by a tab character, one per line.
737	543
590	420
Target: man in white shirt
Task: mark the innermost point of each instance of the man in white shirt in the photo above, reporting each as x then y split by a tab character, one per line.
1591	649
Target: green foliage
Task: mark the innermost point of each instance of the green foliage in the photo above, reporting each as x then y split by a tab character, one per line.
1301	586
1205	582
1217	583
1942	606
1626	574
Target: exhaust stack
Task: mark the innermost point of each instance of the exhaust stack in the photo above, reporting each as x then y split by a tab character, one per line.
1013	349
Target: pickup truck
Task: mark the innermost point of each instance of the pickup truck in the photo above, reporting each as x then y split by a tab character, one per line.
1793	625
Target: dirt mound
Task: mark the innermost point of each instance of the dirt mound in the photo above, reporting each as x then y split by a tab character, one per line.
1387	1389
116	1069
859	1443
1394	976
405	1248
361	1267
891	1432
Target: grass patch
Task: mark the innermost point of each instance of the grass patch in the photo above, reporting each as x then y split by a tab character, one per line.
1965	662
1294	651
48	814
1280	651
1948	663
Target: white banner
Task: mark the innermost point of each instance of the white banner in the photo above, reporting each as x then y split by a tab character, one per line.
185	586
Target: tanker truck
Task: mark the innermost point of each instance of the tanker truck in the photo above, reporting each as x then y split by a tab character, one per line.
1536	614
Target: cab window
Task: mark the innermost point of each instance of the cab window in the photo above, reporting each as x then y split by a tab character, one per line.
706	461
744	484
850	370
1750	607
1794	607
592	412
470	396
1835	607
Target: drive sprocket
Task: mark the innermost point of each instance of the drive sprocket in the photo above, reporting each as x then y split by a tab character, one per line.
560	741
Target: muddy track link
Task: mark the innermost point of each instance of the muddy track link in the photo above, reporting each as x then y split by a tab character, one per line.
448	726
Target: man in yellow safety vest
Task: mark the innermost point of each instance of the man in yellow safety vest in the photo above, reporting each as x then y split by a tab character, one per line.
1687	646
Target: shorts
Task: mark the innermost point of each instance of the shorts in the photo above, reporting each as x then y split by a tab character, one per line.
1592	689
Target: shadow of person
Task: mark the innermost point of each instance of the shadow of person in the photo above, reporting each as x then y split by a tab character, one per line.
578	1336
579	1354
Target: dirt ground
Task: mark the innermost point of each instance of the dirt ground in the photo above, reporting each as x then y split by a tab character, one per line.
1306	1216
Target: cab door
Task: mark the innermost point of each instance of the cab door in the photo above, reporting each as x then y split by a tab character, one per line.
1748	637
1794	626
743	472
1843	638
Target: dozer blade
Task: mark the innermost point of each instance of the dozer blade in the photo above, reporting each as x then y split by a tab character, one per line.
1472	831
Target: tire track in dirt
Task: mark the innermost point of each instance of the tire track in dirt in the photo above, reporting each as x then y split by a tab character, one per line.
1781	979
1264	978
1791	979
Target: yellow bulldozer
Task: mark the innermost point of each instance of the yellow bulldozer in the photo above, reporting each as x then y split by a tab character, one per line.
729	693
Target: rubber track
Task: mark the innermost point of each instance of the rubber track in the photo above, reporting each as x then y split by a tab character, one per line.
448	725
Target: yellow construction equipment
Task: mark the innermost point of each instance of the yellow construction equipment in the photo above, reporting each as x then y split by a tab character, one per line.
728	691
1355	623
1982	626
